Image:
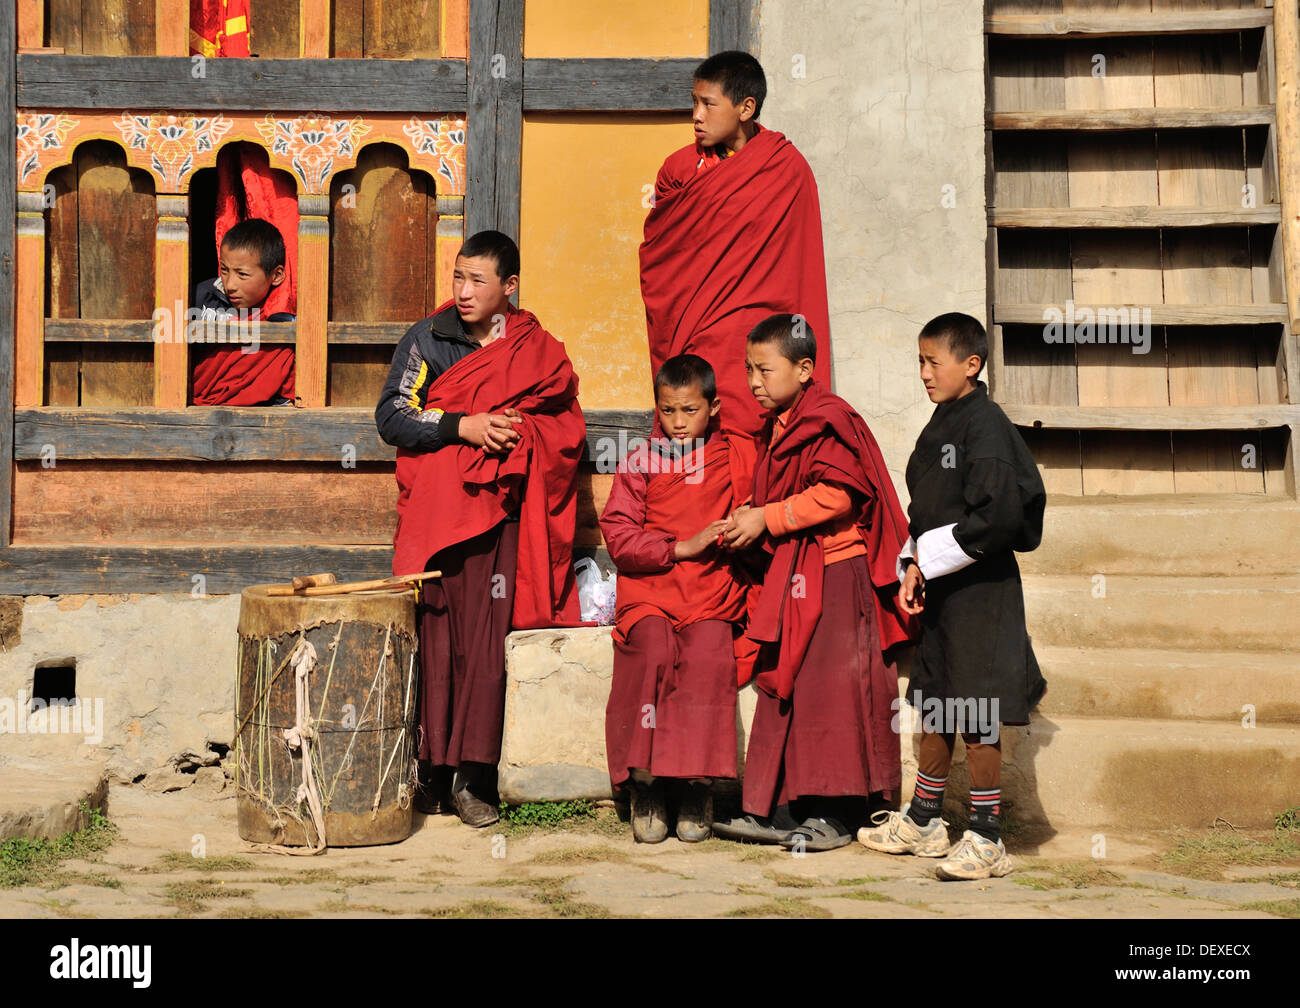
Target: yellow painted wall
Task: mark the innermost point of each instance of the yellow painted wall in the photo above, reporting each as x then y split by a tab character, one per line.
645	29
581	223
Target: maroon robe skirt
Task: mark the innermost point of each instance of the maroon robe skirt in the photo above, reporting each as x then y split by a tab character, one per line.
463	618
672	702
834	736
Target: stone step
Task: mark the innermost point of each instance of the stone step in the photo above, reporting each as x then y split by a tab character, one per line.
1238	535
1176	685
1141	611
41	799
1068	774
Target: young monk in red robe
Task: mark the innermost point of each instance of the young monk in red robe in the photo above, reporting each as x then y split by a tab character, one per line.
734	235
671	715
482	405
825	510
258	280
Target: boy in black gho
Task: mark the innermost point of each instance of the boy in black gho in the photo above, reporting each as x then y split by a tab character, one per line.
976	499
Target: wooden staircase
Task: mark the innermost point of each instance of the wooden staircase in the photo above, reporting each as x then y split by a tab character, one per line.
1134	195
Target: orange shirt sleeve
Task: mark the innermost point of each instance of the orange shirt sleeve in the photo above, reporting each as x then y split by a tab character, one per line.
821	502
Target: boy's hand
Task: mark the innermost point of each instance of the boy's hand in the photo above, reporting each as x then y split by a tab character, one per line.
493	432
911	593
690	548
744	528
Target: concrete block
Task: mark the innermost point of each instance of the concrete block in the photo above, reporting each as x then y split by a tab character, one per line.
42	799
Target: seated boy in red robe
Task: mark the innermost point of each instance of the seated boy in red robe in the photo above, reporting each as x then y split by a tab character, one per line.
672	704
252	285
825	511
734	235
482	405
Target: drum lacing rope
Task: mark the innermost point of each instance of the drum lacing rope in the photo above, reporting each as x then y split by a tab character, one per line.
303	659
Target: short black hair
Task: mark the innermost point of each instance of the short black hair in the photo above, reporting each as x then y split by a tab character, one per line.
738	74
498	247
686	370
964	336
260	237
792	334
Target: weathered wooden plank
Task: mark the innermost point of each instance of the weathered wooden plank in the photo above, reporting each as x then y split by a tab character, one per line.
118	27
311	352
251	433
314	29
214	569
339	85
29	257
495	115
8	220
1105	24
172	27
733	24
1133	217
346	333
641	85
274	28
1132	118
1153	418
1161	314
401	29
74	330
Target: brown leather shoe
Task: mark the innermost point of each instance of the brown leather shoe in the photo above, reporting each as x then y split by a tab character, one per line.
695	813
649	813
473	811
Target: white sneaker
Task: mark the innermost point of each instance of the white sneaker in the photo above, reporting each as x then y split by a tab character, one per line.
895	833
974	857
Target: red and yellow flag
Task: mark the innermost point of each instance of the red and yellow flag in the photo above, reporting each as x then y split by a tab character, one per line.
219	28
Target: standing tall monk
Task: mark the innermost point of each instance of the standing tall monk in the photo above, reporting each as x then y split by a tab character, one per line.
734	236
482	404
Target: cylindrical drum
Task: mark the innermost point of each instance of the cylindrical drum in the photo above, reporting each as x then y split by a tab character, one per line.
331	679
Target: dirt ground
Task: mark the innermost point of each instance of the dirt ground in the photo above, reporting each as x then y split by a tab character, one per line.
595	870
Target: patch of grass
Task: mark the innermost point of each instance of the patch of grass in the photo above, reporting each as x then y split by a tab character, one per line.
553	894
1287	819
1207	857
64	878
783	906
176	861
255	912
308	877
476	910
865	894
1069	875
580	855
1290	879
192	897
759	854
25	862
792	881
546	815
1278	908
363	880
865	880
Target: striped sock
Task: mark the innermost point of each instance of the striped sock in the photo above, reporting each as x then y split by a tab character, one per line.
927	801
985	809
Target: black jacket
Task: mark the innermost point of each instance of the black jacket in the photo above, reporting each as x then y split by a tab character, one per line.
428	349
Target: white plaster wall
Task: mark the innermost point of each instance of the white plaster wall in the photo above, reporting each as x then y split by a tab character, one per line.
889	111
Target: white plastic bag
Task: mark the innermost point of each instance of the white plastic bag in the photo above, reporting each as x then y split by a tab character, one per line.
596	595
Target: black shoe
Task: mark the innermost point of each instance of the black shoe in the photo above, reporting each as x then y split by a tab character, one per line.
750	829
473	811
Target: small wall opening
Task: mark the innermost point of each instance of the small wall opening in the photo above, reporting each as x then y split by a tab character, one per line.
55	683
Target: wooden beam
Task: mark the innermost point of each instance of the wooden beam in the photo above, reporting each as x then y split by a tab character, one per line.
8	222
171	355
426	86
1103	25
733	24
495	115
1286	32
454	30
311	354
1161	314
29	309
31	24
1158	418
1132	119
212	570
172	27
626	85
117	331
1133	217
373	333
314	29
254	434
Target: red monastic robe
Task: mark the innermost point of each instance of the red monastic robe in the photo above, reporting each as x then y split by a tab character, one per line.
460	491
825	441
725	247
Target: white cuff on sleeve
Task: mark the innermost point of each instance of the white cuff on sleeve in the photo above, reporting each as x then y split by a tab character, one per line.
908	550
937	553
